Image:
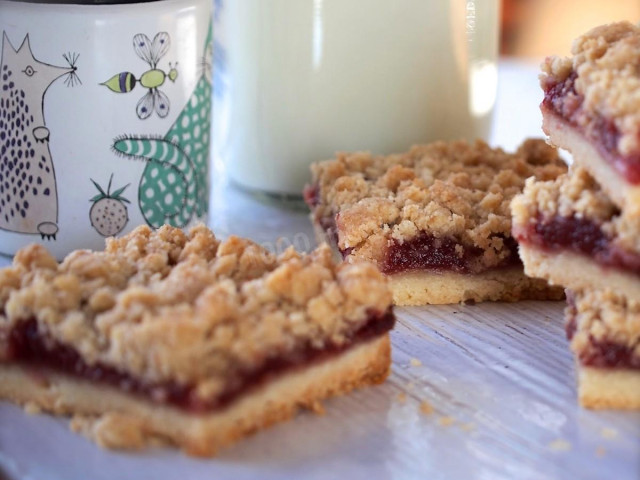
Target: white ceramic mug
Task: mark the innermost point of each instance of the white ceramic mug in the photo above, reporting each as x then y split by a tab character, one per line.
298	80
104	119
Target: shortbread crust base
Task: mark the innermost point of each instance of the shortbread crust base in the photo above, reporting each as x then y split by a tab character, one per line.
576	272
443	288
563	135
126	421
604	388
506	285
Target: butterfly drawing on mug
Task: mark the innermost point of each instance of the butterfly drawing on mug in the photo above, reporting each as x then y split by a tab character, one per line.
151	52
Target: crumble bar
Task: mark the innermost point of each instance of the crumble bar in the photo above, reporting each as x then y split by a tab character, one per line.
591	107
435	220
571	234
187	339
604	330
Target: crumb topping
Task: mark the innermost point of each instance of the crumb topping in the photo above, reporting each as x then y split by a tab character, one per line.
170	306
576	194
449	190
605	317
606	61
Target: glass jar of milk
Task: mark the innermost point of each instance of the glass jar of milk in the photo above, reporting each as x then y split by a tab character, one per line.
297	80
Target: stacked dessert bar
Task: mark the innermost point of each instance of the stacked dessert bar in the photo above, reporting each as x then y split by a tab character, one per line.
582	230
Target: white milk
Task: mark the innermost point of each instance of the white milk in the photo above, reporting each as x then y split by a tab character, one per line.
299	80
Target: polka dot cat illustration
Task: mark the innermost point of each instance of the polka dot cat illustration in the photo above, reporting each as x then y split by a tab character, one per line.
28	194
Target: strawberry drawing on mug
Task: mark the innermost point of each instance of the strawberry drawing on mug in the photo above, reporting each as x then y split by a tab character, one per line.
109	214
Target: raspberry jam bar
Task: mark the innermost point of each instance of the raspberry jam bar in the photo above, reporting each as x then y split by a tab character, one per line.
591	107
571	234
604	330
185	339
435	220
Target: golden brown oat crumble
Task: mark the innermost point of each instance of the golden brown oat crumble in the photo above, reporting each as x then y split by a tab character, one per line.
414	362
607	63
576	194
449	190
426	408
607	317
446	421
112	430
560	445
401	397
170	306
468	427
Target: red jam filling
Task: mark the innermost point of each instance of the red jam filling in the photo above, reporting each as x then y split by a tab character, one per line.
328	224
330	228
578	235
311	195
601	354
426	252
562	99
26	345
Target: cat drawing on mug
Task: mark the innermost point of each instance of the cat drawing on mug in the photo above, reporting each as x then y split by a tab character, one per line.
28	193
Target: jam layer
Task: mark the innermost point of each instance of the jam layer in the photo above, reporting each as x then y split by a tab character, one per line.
27	346
578	235
426	252
327	224
311	195
562	99
601	354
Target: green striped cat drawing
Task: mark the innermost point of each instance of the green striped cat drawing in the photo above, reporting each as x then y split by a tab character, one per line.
175	182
